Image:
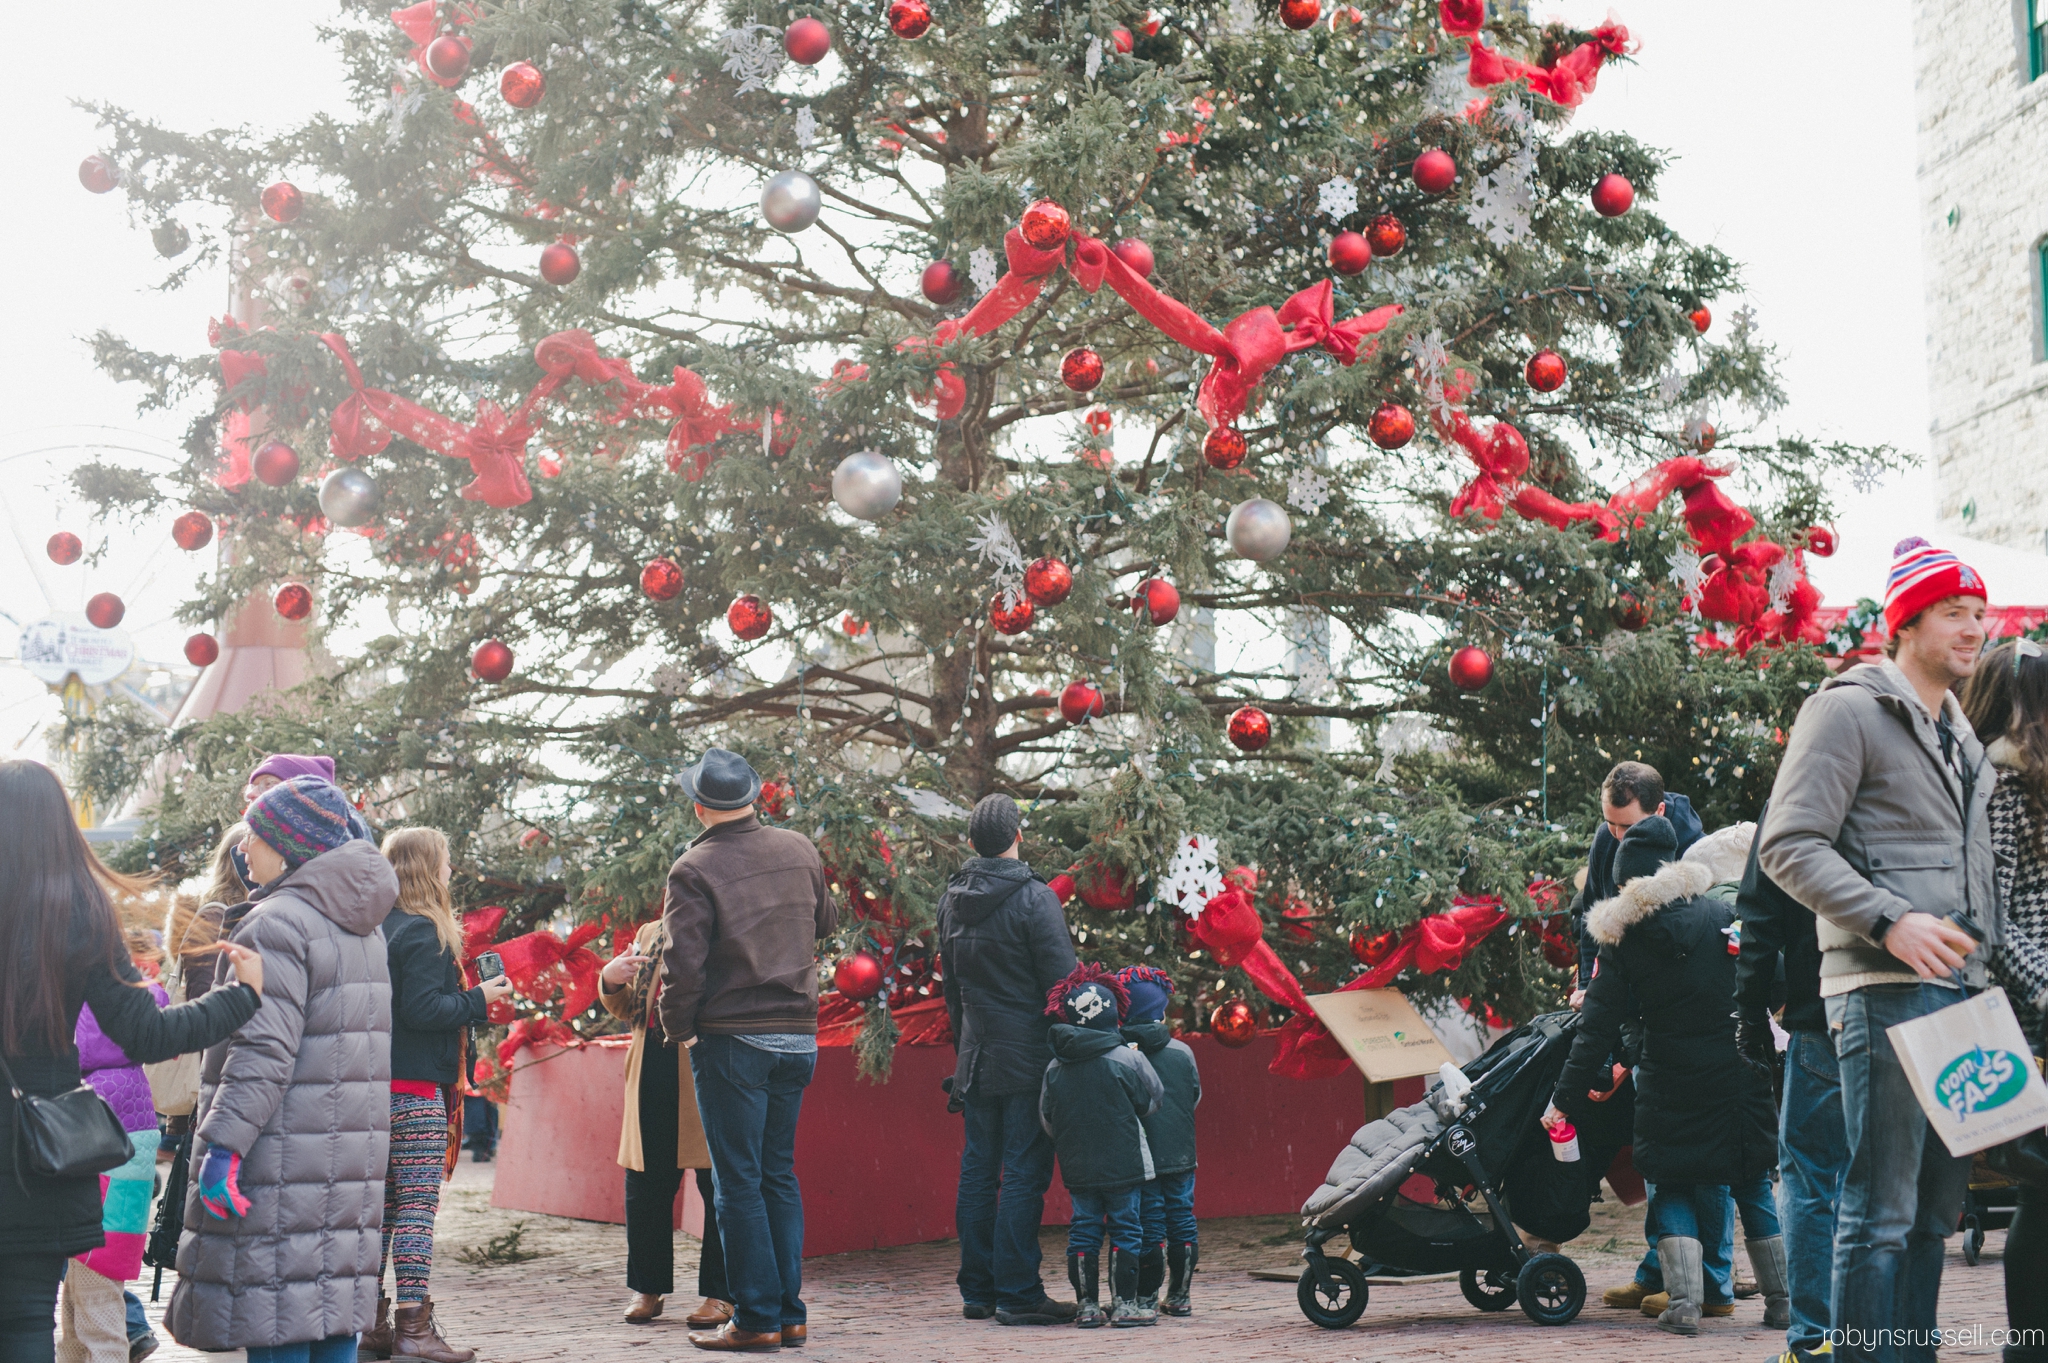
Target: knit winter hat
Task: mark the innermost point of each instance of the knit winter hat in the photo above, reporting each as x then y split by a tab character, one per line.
1149	988
1645	848
1921	576
302	818
1089	996
285	765
993	825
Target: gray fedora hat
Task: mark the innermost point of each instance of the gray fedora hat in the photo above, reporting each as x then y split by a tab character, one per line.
721	780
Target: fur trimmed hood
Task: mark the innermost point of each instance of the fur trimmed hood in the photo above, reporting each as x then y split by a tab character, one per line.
1644	895
2006	754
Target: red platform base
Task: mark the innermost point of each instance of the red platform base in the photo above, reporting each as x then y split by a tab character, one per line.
880	1164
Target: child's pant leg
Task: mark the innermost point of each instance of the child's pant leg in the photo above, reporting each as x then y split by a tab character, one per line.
1124	1222
1152	1211
1084	1232
1177	1207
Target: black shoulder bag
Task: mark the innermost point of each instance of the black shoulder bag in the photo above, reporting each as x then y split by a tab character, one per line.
69	1135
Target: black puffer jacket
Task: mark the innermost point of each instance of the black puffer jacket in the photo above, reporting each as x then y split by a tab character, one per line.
1703	1115
1002	944
1098	1091
1170	1132
430	1010
1773	922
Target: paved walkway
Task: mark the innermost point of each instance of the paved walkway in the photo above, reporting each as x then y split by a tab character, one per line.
898	1305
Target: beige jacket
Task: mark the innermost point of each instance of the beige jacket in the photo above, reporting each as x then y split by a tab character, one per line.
629	1004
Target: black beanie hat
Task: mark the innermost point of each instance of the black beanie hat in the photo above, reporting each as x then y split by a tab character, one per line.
1647	846
993	825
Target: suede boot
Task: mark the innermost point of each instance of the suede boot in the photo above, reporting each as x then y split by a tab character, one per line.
1681	1259
1767	1261
414	1336
376	1341
1083	1272
1123	1276
1180	1264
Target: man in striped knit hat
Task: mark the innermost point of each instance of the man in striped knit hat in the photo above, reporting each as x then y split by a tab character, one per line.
1879	823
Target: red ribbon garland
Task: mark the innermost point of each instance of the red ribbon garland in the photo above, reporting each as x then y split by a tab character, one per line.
1567	81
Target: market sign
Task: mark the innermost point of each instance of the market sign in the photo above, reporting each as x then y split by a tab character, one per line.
55	647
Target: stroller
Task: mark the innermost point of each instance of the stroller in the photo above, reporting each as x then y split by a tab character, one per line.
1477	1130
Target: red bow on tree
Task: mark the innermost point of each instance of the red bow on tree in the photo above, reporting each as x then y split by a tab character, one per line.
1439	941
539	964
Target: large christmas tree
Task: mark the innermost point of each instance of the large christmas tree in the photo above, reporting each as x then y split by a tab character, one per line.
572	242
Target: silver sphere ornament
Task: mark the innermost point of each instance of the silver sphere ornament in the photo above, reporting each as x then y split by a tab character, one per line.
791	200
1258	529
350	497
867	485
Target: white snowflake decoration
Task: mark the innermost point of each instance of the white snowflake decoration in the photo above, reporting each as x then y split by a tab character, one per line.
1745	322
1338	198
1670	385
752	54
1307	490
1431	358
998	548
1312	680
1696	428
669	679
1867	477
1093	62
1503	199
401	106
981	269
1406	734
1687	572
1194	876
1513	112
806	128
1450	88
1784	577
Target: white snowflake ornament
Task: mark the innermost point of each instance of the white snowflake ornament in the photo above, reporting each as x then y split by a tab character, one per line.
981	269
753	54
1093	63
1670	385
401	106
998	548
806	128
1307	490
1193	877
1784	577
1867	477
669	679
1503	199
1687	572
1338	198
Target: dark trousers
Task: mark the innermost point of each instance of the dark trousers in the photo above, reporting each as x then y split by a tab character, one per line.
2026	1263
1167	1206
651	1192
28	1307
480	1125
749	1100
1004	1172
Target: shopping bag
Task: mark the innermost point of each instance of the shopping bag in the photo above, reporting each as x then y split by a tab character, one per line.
1973	1072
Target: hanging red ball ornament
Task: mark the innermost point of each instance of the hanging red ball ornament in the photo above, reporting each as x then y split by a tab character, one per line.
1107	888
492	661
1392	426
1121	39
858	977
852	626
1471	668
1370	949
1701	319
294	601
909	19
193	530
282	202
661	579
98	174
1159	599
1250	728
1386	235
275	463
1631	612
559	263
1435	171
64	548
1047	581
1234	1024
1224	448
941	283
105	610
1546	371
1300	14
1701	435
1135	254
1081	701
1045	225
749	616
1349	253
1820	541
447	59
202	650
522	85
1081	369
1613	196
1013	619
807	41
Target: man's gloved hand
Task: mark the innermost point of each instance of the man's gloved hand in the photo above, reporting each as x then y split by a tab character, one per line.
1753	1038
219	1187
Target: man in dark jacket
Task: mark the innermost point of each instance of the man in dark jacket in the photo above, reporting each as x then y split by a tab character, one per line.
1167	1201
745	906
1002	944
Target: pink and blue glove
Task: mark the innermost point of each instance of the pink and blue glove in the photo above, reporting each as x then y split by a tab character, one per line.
219	1190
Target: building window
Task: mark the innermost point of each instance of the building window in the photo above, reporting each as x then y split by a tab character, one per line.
2036	40
2041	299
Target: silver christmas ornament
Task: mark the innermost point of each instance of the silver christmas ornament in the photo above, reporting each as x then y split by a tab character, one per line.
867	485
350	497
1258	529
791	200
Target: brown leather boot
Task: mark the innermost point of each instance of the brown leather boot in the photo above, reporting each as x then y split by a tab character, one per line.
712	1314
729	1338
643	1308
416	1337
376	1341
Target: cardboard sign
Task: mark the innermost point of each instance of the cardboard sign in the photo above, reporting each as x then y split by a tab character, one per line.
1381	1032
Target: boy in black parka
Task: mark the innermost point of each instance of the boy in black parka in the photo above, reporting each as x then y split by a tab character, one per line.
1167	1201
1097	1092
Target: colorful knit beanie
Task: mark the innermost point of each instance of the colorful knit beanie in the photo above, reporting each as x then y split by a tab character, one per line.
1150	988
1921	576
303	817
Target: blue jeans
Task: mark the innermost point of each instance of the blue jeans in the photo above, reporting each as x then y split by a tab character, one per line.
1118	1208
1166	1205
1902	1191
749	1099
1812	1153
333	1349
138	1324
1717	1261
1004	1171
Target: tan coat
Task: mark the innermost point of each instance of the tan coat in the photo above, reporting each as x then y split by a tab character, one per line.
629	1004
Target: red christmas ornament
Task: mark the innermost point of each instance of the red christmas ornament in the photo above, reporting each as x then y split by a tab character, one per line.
1098	421
1471	668
1122	40
1106	888
1349	253
492	661
282	202
98	174
105	610
1045	225
64	548
1374	949
1250	729
1631	612
550	466
202	650
1392	426
1081	700
1234	1024
1153	20
1613	196
532	838
1159	599
294	601
193	530
1224	448
858	977
1047	581
807	41
661	579
447	59
522	85
1136	254
1435	171
1015	620
909	19
1546	371
1300	14
749	616
1081	369
1820	541
1701	436
275	463
942	283
559	263
851	626
1386	235
774	798
1701	319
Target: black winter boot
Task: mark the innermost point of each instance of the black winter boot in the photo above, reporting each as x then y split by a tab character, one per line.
1123	1276
1180	1263
1082	1272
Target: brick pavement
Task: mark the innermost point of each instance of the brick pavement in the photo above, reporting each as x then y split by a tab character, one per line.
898	1305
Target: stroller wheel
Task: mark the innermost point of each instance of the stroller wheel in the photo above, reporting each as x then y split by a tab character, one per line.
1332	1292
1494	1292
1973	1242
1551	1289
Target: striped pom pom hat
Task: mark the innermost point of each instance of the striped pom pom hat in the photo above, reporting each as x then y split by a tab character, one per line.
303	817
1921	576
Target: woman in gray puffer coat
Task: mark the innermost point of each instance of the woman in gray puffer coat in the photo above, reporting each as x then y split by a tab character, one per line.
283	1224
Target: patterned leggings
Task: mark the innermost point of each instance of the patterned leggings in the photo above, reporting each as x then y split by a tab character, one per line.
412	1192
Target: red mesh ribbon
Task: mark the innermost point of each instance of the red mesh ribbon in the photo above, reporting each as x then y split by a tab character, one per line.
698	422
1230	929
534	1032
920	1024
1569	78
539	964
1439	941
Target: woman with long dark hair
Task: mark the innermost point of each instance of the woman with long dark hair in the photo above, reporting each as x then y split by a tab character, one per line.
64	949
